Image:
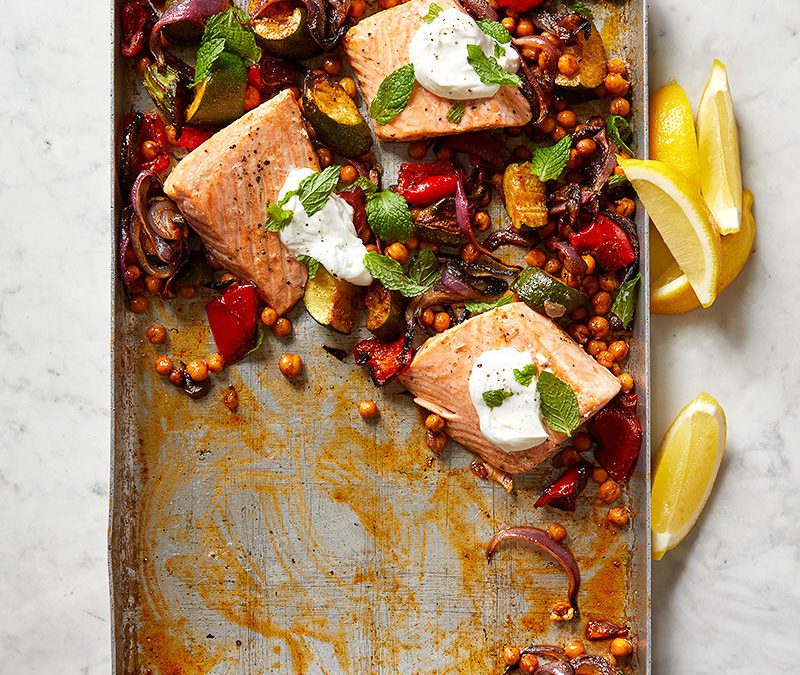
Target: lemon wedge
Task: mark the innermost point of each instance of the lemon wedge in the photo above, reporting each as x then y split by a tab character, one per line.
718	141
670	290
688	462
672	135
683	220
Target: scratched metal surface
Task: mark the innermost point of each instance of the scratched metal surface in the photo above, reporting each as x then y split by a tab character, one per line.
293	537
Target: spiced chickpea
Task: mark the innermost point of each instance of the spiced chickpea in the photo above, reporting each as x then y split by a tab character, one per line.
269	317
138	304
436	441
601	302
616	85
349	86
163	365
427	318
368	409
156	334
590	285
469	253
153	284
215	363
510	653
332	65
575	649
528	664
621	647
441	322
625	382
619	350
615	369
357	8
348	174
579	332
586	147
187	292
546	126
617	66
579	313
524	28
620	106
482	221
150	150
398	252
325	157
434	422
290	365
509	23
522	153
371	248
599	475
230	399
625	207
594	347
608	283
609	491
582	441
575	161
570	457
176	377
567	119
599	326
133	273
568	65
552	267
197	370
618	516
558	133
605	359
412	243
535	258
418	149
556	532
444	154
282	327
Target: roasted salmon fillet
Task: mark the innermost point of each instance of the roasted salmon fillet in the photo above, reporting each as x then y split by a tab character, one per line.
439	374
379	45
224	186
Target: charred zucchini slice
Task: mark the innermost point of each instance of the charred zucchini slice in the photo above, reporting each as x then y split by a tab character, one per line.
219	98
525	196
385	312
545	294
592	62
335	117
282	30
331	301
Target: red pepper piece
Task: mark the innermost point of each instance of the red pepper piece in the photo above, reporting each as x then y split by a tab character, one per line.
134	18
563	492
194	137
607	242
618	435
357	199
233	318
151	129
520	5
384	360
426	183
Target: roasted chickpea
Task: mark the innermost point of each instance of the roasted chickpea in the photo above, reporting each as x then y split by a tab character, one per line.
348	174
427	318
535	258
388	4
434	422
608	656
524	28
590	285
510	654
625	382
605	359
349	86
582	442
469	253
600	91
187	292
444	154
418	149
412	243
133	273
579	314
230	399
575	649
282	327
371	248
552	267
528	664
616	85
290	365
594	347
575	161
621	647
599	326
368	409
522	153
601	302
197	370
617	66
579	332
567	119
599	475
590	263
153	284
570	457
620	106
441	322
150	150
586	147
482	221
156	334
608	282
625	207
138	303
215	363
436	441
163	365
546	126
568	65
269	316
619	349
615	369
357	8
552	38
618	516
558	133
252	98
556	531
325	157
609	491
143	64
398	252
332	65
176	377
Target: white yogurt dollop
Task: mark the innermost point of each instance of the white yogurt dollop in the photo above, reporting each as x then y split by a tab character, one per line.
439	54
328	236
516	424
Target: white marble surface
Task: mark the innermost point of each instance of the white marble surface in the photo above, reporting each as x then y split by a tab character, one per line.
726	601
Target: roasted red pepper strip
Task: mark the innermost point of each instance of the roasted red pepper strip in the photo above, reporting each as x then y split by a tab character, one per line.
152	129
607	242
233	318
134	18
194	137
357	199
618	435
426	183
563	492
384	360
520	5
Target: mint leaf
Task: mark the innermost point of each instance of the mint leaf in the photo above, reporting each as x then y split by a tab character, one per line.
617	127
481	307
433	11
455	113
393	94
495	29
311	263
489	70
559	405
625	303
277	217
526	375
549	163
206	57
580	7
388	216
227	31
617	179
366	185
315	190
494	397
390	273
424	268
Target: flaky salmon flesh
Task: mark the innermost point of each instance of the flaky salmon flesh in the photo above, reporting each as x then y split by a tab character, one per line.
379	45
438	377
224	187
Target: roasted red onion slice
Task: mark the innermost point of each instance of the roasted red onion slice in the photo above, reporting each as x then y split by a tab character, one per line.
480	9
327	21
569	257
599	170
592	665
193	11
555	668
560	553
566	27
538	93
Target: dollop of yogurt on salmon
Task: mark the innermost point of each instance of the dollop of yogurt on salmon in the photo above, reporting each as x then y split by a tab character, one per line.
516	423
328	236
438	53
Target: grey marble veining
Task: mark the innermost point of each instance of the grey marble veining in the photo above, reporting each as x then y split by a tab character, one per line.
727	600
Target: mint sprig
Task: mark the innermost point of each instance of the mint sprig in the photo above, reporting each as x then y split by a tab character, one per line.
313	191
481	307
393	95
424	268
311	263
388	215
455	113
624	305
277	217
227	31
525	375
618	126
494	397
548	163
494	29
434	10
489	70
558	403
390	273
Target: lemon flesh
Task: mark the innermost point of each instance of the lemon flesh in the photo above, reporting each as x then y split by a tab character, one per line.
670	290
683	220
672	134
688	462
718	144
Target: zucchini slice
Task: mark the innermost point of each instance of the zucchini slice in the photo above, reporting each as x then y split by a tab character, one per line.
219	98
537	289
334	116
525	196
592	62
331	301
282	30
385	312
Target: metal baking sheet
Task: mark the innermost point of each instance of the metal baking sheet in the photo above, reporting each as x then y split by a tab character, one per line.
293	537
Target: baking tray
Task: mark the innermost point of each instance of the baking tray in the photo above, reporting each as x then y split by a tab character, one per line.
293	537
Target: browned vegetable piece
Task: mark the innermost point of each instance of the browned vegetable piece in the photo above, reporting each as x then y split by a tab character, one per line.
282	30
592	62
331	301
525	195
599	629
385	312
